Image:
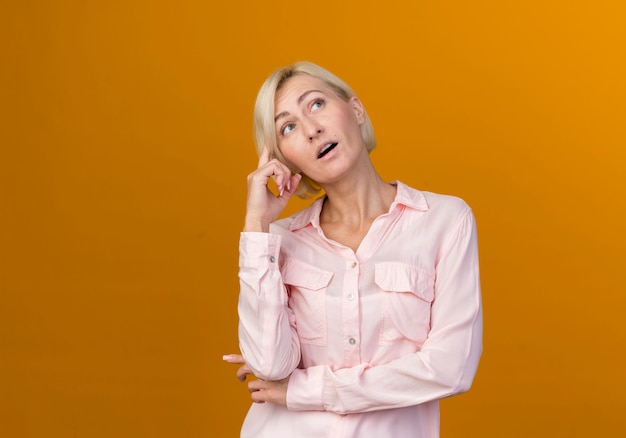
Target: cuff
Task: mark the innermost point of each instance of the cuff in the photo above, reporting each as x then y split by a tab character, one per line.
259	250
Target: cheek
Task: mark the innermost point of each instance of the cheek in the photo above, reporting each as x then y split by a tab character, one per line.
286	149
347	120
291	154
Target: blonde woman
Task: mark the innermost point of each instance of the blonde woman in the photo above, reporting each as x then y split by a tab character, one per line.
360	312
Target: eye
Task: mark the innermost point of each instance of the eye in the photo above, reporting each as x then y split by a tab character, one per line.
287	128
317	104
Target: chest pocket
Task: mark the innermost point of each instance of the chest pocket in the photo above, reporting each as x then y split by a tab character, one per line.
406	296
307	286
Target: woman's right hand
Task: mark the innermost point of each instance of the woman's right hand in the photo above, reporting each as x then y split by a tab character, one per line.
263	207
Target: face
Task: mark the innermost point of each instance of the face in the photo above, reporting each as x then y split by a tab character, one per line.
317	131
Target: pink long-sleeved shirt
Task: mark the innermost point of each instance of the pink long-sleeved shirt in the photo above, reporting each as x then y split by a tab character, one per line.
372	339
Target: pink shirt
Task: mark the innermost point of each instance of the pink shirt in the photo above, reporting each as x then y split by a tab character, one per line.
373	338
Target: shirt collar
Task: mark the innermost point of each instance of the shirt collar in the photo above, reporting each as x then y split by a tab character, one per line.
405	196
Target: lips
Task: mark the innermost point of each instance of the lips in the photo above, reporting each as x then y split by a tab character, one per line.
326	149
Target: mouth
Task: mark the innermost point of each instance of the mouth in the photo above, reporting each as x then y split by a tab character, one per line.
326	149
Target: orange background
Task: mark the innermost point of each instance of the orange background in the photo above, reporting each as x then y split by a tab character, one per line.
126	136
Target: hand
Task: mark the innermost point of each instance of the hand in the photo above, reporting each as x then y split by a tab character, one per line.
263	207
243	371
261	391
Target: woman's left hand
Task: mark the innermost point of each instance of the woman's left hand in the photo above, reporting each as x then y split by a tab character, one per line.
261	391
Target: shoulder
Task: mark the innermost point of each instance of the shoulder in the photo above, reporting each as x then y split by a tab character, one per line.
283	225
446	204
435	204
437	214
450	215
298	220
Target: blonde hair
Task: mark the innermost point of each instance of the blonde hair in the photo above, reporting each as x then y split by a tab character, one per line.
264	125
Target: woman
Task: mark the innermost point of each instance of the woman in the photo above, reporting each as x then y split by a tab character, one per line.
360	312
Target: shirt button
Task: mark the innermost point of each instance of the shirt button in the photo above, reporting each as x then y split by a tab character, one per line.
354	264
352	341
272	259
350	297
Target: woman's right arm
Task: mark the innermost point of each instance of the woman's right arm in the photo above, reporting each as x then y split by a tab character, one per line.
267	335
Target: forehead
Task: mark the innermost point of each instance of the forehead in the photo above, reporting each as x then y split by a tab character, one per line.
295	87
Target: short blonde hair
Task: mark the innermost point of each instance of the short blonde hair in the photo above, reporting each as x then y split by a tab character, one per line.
264	125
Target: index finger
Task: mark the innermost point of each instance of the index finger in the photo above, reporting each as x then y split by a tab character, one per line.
265	156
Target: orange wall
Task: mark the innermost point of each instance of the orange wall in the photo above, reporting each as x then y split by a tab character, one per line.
125	141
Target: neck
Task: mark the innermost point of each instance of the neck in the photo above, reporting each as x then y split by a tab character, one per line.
358	200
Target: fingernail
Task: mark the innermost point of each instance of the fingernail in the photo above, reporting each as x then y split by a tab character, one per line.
227	357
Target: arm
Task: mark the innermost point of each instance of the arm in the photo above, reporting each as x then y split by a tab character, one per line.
444	366
267	334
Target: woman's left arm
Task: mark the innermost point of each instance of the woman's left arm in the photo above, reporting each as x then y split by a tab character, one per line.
445	365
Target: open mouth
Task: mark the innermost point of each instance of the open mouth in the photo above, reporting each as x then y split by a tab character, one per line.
326	149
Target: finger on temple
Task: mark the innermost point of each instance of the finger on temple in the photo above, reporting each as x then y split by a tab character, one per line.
265	156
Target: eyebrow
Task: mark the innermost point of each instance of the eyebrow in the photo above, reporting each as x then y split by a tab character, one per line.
300	99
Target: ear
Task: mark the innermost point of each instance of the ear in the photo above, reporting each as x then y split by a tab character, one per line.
358	109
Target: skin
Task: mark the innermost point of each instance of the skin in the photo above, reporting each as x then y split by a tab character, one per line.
261	391
309	116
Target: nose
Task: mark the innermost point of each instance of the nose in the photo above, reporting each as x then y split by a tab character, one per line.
315	134
313	130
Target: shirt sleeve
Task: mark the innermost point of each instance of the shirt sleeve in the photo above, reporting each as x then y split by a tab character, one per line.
267	335
445	365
